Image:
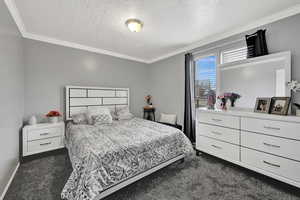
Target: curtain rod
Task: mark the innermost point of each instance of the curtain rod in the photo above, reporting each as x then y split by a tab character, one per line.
195	51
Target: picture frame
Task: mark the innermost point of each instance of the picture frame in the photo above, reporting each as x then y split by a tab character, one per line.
280	105
262	105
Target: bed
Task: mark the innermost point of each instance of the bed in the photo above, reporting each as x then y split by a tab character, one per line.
106	158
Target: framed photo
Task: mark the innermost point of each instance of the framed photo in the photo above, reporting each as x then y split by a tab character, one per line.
262	105
280	105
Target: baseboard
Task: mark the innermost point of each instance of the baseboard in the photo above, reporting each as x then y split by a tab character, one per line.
9	181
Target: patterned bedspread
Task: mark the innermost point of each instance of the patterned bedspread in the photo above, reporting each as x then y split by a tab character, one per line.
105	155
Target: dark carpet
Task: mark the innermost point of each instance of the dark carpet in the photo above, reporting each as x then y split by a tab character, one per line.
200	178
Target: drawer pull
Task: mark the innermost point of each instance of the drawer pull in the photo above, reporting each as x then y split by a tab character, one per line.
271	145
271	164
216	120
215	146
44	144
272	128
216	133
43	134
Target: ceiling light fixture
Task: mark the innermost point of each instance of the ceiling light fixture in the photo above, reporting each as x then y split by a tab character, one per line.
134	25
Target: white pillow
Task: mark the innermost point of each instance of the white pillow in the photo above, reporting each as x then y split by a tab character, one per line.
124	113
99	115
80	118
168	118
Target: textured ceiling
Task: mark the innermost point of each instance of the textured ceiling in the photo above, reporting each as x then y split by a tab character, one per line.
169	25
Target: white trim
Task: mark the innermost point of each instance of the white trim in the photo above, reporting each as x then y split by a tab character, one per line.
80	46
9	181
11	5
266	20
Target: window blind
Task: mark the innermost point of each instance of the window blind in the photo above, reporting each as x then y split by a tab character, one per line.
233	55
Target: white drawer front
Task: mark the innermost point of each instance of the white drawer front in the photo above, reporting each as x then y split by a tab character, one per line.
278	146
220	120
276	128
44	145
44	133
221	133
276	165
217	148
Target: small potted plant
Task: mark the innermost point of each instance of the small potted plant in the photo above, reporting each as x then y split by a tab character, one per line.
53	116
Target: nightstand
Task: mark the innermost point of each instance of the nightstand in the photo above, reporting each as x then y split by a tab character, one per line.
149	113
42	137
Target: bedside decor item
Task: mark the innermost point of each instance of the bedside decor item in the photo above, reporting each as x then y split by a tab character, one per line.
211	99
53	116
256	44
280	105
262	105
32	120
148	99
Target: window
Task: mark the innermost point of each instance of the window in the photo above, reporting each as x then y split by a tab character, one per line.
205	79
233	55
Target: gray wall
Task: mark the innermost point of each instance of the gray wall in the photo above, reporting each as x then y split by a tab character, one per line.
12	96
167	76
48	68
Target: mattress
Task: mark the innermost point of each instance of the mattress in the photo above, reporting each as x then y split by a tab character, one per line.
105	155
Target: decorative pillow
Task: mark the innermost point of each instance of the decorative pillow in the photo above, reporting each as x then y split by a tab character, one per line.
99	115
168	118
102	119
80	118
124	113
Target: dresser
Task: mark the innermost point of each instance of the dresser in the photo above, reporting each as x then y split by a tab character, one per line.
268	144
42	137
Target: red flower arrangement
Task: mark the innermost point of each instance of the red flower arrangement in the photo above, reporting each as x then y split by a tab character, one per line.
53	113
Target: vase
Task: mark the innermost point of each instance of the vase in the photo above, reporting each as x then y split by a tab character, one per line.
32	120
232	102
53	120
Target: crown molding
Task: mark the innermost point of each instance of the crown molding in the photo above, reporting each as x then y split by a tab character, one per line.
11	5
79	46
266	20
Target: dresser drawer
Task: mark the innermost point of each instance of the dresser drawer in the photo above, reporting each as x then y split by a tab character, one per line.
220	133
276	165
276	128
217	148
274	145
220	120
44	145
43	133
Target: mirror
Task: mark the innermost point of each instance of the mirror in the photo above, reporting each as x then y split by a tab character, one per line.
264	76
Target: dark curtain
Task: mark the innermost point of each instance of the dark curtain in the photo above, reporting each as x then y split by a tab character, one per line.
256	44
189	105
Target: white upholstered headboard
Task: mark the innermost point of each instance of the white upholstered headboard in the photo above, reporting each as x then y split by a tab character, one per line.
78	99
